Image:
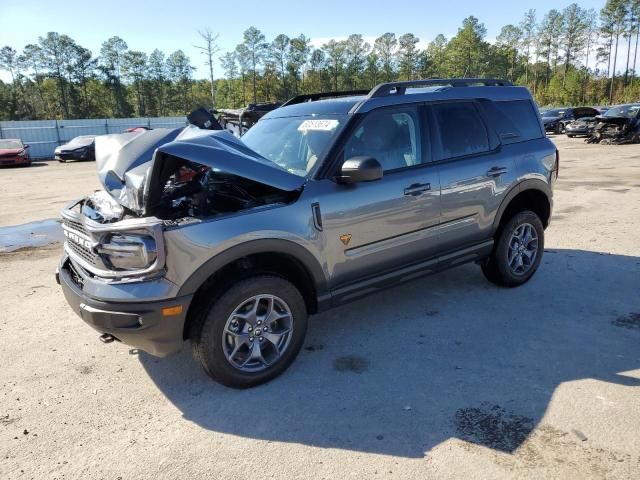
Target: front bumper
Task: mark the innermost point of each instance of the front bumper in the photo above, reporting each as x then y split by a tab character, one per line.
133	319
578	130
14	161
71	155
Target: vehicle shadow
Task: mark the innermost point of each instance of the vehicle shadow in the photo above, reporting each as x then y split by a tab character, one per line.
32	164
446	356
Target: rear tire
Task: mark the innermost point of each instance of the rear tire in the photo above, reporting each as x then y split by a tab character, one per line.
230	340
517	252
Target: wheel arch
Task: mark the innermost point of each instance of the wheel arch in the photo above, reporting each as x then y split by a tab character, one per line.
531	194
276	256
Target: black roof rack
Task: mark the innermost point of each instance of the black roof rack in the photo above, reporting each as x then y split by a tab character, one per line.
312	97
399	88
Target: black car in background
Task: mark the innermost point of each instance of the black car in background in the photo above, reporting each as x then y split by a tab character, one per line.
556	119
78	148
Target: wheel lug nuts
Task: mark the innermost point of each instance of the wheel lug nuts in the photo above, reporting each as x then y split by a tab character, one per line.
261	339
250	329
259	322
251	339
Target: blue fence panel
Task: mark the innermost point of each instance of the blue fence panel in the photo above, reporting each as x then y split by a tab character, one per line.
44	136
69	129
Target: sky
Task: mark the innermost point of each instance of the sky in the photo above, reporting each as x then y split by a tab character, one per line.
173	25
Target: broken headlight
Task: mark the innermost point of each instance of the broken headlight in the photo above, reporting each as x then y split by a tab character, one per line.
129	251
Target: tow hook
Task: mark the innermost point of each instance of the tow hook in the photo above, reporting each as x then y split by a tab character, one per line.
107	338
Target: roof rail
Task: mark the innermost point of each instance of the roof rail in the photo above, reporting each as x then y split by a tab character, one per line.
312	97
399	88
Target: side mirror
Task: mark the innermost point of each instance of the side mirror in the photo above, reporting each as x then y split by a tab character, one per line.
360	169
26	145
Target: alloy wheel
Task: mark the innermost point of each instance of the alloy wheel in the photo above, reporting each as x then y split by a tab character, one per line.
257	333
523	249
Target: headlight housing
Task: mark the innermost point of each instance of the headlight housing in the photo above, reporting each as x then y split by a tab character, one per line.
129	251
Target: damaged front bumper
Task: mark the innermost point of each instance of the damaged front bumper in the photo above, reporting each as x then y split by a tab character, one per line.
145	315
615	131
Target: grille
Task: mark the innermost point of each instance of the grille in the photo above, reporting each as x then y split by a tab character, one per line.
75	225
75	276
86	254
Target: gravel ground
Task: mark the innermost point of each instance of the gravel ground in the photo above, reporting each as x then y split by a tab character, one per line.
446	377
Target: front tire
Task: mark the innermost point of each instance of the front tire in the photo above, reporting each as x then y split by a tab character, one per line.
252	332
517	252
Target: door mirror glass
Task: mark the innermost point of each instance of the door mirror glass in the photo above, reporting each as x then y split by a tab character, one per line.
360	169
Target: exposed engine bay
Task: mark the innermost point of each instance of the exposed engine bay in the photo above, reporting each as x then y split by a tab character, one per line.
190	189
614	133
617	130
183	173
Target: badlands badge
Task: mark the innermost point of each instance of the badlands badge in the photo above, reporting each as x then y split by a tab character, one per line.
346	238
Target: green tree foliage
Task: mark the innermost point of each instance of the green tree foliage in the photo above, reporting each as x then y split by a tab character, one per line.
568	56
408	56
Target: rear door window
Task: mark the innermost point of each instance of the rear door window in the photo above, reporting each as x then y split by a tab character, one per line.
459	130
514	121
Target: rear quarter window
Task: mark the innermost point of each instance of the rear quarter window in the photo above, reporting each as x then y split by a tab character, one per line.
460	130
515	121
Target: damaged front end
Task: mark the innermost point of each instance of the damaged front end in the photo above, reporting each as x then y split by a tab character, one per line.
618	126
159	179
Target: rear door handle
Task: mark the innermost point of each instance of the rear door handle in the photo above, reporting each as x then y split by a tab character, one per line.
417	189
496	171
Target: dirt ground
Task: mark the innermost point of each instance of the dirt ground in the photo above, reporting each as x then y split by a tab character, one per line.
446	377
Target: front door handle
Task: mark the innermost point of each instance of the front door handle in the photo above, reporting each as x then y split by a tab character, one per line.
497	171
417	189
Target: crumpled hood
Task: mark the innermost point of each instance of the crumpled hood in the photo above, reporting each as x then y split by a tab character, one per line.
614	120
126	161
123	161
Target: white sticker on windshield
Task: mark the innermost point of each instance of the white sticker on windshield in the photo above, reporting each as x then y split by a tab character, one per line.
321	125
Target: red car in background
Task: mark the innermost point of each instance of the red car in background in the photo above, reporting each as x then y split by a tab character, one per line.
14	152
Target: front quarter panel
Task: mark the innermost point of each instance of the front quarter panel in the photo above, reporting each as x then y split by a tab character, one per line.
192	248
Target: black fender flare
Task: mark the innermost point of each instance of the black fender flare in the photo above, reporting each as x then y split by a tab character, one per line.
528	184
267	245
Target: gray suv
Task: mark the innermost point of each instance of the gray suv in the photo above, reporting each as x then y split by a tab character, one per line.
232	243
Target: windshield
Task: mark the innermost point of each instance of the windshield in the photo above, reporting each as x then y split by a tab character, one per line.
10	144
294	143
629	111
553	113
83	139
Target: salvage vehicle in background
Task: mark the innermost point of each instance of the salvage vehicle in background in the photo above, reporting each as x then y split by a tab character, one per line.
78	148
238	121
581	127
14	153
618	125
555	120
231	243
